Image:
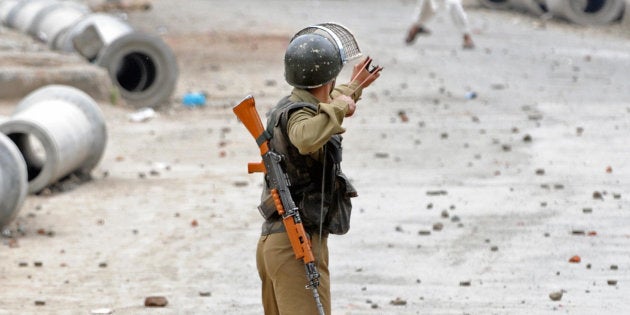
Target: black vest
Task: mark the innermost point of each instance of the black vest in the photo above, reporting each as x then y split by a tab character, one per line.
306	176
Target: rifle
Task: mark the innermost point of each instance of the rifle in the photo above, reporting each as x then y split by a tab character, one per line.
279	182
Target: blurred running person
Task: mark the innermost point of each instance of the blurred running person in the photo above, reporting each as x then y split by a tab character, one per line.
427	9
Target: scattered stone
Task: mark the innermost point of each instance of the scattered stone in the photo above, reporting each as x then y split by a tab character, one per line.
194	223
612	282
40	303
575	259
240	183
579	131
597	195
444	214
430	206
498	86
464	283
555	296
13	243
506	148
374	306
398	301
399	228
437	192
102	265
403	116
205	293
587	210
592	233
155	301
614	267
38	264
558	186
540	171
578	232
494	248
527	138
438	226
424	232
609	169
455	219
381	155
444	135
588	266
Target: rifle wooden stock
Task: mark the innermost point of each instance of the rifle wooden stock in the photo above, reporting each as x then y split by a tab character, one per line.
246	112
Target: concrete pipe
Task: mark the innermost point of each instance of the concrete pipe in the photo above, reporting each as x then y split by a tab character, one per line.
59	130
141	66
52	20
535	7
13	180
6	6
23	14
587	12
496	4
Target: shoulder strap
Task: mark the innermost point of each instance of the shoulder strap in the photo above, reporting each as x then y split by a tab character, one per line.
281	114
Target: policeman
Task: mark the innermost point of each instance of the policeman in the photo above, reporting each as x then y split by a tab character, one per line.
306	127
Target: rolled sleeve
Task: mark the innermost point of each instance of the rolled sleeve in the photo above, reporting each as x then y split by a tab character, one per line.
309	130
351	90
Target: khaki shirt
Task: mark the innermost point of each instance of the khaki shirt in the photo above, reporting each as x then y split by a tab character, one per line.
309	130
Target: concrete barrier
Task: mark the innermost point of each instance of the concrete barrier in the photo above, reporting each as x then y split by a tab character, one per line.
6	6
535	7
141	66
59	130
583	12
496	4
23	13
587	12
52	20
13	179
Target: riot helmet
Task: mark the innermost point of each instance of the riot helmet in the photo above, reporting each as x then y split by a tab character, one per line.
311	60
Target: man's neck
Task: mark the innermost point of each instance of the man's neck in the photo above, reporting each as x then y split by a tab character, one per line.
322	93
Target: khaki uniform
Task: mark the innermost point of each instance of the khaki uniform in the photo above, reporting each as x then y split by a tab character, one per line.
284	277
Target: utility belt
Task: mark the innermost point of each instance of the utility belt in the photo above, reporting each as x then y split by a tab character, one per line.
276	226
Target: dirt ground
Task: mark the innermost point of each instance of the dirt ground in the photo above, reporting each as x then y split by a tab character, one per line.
466	206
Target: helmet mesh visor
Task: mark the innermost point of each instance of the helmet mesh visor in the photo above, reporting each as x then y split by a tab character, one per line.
338	34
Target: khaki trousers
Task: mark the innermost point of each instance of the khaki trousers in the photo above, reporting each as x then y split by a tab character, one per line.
284	277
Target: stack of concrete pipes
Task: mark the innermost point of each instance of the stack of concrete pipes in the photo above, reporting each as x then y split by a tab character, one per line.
141	66
54	131
582	12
